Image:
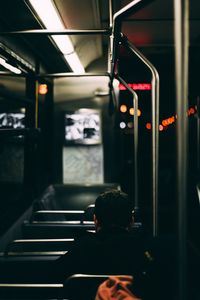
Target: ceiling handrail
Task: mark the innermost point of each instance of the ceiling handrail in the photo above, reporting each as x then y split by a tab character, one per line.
57	32
126	11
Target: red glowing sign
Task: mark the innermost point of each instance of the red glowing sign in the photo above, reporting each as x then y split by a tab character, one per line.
136	86
169	121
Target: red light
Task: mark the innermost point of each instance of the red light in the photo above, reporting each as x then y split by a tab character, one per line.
191	111
148	126
168	121
141	86
161	127
136	86
122	87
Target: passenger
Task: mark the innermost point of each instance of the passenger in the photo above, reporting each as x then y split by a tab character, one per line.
115	250
112	249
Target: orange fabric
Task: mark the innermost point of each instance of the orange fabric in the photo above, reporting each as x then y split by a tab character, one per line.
116	287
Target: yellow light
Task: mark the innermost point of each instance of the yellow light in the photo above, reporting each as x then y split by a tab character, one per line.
43	89
123	108
131	112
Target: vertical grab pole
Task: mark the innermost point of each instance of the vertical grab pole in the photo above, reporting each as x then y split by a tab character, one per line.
37	67
111	36
135	105
181	30
115	37
110	14
155	129
198	134
36	102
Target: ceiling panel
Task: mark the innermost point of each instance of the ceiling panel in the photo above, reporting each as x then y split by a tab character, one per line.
78	14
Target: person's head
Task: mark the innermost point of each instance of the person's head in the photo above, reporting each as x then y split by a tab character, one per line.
113	209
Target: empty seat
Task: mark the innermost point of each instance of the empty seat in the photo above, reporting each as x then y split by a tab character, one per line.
58	215
30	291
55	230
25	269
38	246
71	196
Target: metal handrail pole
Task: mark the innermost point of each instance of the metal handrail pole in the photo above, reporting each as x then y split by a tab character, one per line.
71	74
126	11
116	29
155	129
135	117
181	34
198	134
36	103
110	14
110	37
57	32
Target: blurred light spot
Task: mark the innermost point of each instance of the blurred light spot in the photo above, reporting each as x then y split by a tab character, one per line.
131	111
43	89
161	127
148	125
122	125
130	124
123	108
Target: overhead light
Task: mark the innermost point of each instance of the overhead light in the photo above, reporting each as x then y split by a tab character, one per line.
74	62
9	66
50	18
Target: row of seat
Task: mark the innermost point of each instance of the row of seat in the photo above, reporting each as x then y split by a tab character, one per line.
87	288
29	259
45	236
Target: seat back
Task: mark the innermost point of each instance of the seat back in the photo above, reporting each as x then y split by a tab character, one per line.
54	230
71	196
30	291
58	215
38	246
82	286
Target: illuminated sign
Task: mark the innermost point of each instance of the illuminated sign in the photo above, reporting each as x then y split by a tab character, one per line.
172	119
136	86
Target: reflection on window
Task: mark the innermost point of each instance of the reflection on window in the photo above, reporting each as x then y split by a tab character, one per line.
82	127
12	120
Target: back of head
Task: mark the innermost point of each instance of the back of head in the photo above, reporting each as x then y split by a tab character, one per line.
113	208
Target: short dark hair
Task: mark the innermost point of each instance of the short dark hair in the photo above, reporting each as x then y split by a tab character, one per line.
113	208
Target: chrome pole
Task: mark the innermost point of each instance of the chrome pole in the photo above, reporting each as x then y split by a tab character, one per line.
135	119
130	8
181	33
71	74
198	135
155	129
57	32
36	103
111	37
